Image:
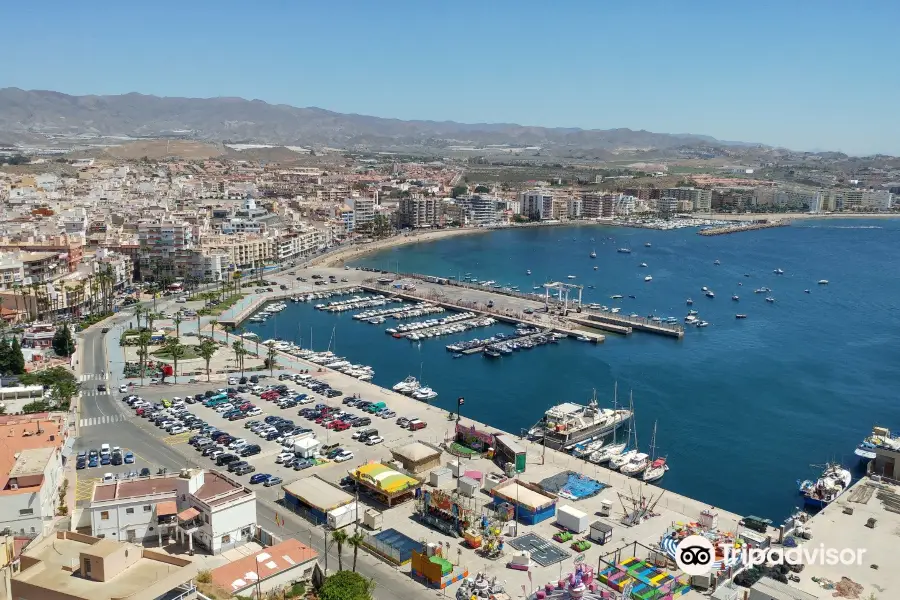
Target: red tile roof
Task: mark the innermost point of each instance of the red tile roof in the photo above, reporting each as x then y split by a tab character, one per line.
276	559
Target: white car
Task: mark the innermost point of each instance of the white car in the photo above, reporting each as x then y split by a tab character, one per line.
232	381
181	300
107	477
237	444
224	407
283	456
343	457
123	389
178	429
216	454
306	400
254	412
374	440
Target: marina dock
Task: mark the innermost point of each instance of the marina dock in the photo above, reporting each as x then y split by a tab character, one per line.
726	229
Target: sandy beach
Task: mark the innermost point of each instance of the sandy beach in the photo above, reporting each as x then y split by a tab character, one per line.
337	259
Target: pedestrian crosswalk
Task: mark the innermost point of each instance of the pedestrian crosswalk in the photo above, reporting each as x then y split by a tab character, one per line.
93	376
94	421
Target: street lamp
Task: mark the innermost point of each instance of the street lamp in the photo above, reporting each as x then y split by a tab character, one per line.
459	402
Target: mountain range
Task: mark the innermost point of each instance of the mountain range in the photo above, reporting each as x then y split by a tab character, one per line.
255	121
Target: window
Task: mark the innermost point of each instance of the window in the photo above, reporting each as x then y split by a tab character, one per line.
26	511
147	508
104	515
205	518
129	511
226	539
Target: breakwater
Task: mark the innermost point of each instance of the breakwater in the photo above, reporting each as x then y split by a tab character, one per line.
726	229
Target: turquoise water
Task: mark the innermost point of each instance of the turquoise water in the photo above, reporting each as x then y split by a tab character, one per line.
744	407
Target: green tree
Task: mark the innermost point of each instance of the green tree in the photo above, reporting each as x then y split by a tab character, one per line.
63	344
459	190
177	320
5	357
355	541
143	351
381	226
176	350
207	350
339	536
212	328
482	189
347	585
38	406
16	358
238	348
62	393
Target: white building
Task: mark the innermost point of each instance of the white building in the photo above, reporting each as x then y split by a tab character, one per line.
363	211
419	212
536	204
575	207
212	510
479	210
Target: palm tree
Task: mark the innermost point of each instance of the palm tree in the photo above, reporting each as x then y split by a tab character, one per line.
212	328
143	345
176	351
339	536
177	320
271	354
356	540
238	348
137	315
207	350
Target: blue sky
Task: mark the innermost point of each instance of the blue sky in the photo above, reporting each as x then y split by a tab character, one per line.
797	73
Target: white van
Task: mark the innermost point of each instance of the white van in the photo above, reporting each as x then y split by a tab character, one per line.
104	450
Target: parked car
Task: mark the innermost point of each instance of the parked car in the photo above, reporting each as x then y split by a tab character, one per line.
375	439
250	450
272	480
243	470
259	478
344	456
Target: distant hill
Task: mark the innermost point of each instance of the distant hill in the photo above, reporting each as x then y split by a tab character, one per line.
239	120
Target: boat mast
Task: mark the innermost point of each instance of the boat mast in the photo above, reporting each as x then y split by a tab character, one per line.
634	422
653	444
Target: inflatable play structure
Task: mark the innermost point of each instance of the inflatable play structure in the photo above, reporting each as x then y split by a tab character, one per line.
434	569
642	581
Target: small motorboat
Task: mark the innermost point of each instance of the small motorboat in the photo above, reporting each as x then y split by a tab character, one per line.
735	297
632	296
528	272
648	278
624	250
616	297
570	276
688	301
643	265
647	245
778	272
702	324
710	294
704	289
740	316
593	254
770	299
595	268
716	262
458	355
823	282
806	291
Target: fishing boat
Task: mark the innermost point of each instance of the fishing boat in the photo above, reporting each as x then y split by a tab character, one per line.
710	294
806	291
823	282
595	268
690	320
647	245
637	465
778	272
570	423
740	316
833	481
735	297
616	297
632	296
879	437
593	254
648	278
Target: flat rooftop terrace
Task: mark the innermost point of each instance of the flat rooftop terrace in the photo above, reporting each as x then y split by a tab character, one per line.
833	528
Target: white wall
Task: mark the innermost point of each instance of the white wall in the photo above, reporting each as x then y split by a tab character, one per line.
120	520
28	512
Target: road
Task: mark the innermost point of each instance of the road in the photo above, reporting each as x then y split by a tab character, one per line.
124	430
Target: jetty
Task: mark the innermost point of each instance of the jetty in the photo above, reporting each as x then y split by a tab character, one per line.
735	228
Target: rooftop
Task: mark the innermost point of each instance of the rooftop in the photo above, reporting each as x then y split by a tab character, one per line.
318	492
216	489
32	462
26	432
242	573
415	452
53	569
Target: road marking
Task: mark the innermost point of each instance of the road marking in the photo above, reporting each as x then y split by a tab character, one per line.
104	420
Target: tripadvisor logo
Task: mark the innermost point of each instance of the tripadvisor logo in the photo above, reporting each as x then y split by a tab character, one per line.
695	555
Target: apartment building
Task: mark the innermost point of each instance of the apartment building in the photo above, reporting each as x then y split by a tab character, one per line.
667	205
243	250
479	210
41	267
31	470
165	249
363	211
12	272
536	204
419	212
699	200
210	510
862	199
119	265
591	205
69	249
575	207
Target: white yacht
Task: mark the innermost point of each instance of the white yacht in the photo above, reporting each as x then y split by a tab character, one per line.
571	277
568	423
593	254
408	384
710	294
778	272
424	394
823	282
643	265
620	460
648	278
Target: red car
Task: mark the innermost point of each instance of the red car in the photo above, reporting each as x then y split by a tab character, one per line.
341	426
245	407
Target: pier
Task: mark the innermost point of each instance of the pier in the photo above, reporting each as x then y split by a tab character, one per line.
726	229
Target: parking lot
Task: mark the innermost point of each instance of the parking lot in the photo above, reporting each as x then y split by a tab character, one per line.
214	423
